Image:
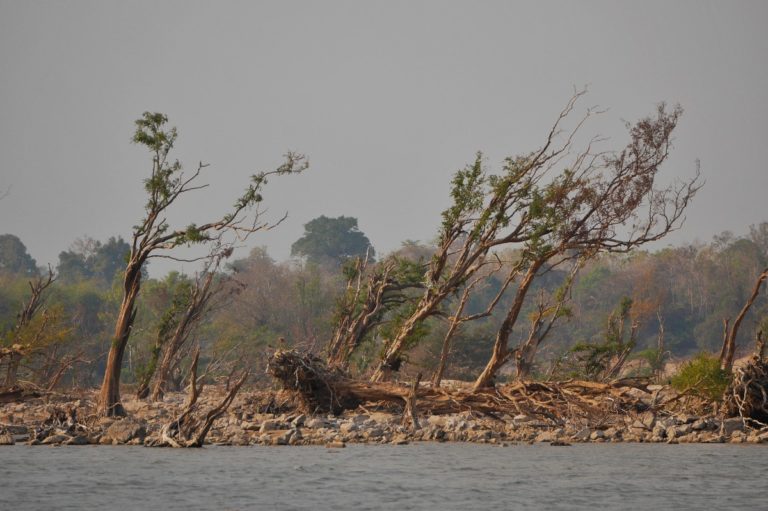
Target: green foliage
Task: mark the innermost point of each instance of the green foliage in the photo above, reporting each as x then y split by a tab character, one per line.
467	194
14	258
91	259
332	240
702	376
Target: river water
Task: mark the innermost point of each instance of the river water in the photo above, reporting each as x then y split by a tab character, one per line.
362	477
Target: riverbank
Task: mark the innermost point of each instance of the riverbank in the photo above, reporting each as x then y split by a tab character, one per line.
268	418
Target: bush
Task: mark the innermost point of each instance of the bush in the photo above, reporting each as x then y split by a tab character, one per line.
703	376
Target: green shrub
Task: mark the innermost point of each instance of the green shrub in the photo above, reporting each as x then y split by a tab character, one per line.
703	376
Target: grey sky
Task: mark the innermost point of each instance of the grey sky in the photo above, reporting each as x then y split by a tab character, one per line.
387	99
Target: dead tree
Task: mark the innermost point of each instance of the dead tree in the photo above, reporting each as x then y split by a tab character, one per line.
191	427
18	349
544	318
153	237
198	304
729	335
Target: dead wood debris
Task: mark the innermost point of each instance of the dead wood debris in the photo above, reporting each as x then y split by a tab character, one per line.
321	390
746	395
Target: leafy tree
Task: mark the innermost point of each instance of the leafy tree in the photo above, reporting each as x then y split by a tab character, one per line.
91	259
332	240
154	237
14	257
552	210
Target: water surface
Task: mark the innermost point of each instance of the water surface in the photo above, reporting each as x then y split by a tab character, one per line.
422	476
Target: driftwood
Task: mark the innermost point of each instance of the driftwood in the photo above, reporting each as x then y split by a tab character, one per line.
191	427
322	390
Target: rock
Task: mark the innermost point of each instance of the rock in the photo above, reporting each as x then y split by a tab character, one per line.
437	420
648	420
250	426
559	443
711	438
299	420
612	433
79	440
348	427
582	435
125	430
597	435
701	425
686	419
335	445
640	395
400	440
56	439
269	425
731	425
7	439
654	388
315	423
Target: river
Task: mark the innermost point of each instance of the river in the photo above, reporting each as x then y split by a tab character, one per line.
364	477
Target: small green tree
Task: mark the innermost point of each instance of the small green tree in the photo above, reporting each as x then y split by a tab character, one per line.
153	236
703	376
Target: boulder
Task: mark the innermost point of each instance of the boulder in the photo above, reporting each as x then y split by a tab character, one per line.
731	425
582	435
56	439
125	430
269	425
6	439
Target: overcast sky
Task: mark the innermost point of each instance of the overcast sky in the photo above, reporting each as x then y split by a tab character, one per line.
387	98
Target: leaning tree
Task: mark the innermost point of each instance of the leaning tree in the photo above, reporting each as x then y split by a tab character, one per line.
154	237
555	205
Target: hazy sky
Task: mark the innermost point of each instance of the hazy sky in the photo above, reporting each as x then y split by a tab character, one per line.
387	98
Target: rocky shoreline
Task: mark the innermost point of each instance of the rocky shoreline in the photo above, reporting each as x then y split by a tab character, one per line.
60	420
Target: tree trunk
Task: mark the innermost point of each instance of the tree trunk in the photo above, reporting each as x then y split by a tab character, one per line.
729	347
445	351
500	354
109	396
391	360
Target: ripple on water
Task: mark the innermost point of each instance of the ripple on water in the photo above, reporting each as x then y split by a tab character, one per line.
421	476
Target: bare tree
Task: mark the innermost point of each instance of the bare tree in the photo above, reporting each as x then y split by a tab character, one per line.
542	322
198	304
729	334
19	349
153	236
456	320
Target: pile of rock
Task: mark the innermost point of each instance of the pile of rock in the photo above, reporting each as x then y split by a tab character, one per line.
69	423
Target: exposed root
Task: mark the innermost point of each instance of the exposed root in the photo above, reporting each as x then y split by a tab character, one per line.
747	394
